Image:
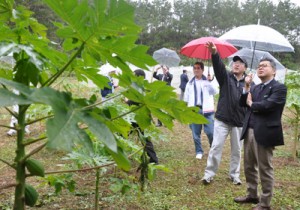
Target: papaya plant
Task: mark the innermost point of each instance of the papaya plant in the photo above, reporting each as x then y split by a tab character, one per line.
91	32
292	81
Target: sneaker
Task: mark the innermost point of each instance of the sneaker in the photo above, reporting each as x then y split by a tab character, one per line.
246	199
27	131
11	132
199	156
236	181
206	180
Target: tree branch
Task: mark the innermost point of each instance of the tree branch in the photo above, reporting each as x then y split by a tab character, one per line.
86	169
31	141
55	76
40	119
100	102
126	113
11	112
35	150
79	170
6	126
7	163
8	186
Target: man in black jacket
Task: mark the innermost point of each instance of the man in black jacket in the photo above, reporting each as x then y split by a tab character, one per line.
262	131
229	116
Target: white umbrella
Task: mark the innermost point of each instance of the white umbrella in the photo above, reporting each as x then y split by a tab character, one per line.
166	57
254	56
107	68
258	37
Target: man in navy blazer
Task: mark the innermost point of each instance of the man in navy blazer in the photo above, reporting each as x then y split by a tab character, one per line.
183	81
262	131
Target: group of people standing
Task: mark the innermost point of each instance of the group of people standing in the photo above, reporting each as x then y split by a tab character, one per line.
249	113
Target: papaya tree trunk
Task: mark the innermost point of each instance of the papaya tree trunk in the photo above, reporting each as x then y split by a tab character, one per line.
97	189
19	203
296	136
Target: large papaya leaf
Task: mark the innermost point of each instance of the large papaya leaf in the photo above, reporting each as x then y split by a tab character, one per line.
186	114
26	72
6	9
6	73
106	28
116	123
63	130
18	37
23	18
121	159
100	130
92	74
23	89
9	98
143	117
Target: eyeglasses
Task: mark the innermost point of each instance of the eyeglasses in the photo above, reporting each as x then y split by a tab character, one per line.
262	66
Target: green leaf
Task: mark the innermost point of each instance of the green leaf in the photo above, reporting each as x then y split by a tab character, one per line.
100	130
143	117
26	72
9	98
107	28
121	159
93	75
6	7
118	125
63	132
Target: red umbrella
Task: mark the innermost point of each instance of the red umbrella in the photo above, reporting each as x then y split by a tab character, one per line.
196	48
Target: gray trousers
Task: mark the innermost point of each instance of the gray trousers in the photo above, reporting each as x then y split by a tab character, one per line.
181	95
258	161
221	131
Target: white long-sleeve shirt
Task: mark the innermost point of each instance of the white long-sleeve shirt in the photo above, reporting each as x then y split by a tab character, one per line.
208	92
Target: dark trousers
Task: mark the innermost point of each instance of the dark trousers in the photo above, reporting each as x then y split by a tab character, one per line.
159	122
151	152
149	146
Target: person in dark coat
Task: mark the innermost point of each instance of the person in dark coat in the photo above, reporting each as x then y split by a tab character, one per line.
228	117
167	77
183	81
262	131
148	144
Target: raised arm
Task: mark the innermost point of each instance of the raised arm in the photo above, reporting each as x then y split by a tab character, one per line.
218	65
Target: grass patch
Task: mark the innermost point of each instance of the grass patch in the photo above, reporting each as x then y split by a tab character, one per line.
181	188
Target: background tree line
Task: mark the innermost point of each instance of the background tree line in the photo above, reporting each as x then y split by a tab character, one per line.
173	24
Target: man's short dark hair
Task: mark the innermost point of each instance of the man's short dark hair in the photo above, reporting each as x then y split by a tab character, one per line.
200	64
140	72
184	71
272	62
